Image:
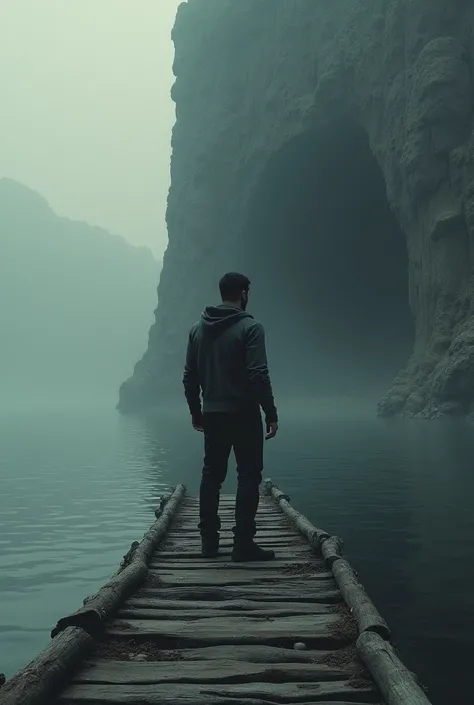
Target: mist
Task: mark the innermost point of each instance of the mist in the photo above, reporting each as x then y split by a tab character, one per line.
76	303
86	112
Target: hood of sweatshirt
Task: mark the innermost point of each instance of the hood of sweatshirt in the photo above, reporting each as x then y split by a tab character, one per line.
216	319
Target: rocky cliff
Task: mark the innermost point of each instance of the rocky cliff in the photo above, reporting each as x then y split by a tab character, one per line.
326	148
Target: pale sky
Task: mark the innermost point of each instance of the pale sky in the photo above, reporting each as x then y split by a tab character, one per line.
85	111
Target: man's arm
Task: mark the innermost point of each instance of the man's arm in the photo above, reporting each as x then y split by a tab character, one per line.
192	387
257	369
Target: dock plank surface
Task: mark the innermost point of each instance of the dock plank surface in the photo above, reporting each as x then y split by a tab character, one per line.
214	631
172	628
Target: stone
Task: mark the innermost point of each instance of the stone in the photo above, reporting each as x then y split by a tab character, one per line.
253	78
299	646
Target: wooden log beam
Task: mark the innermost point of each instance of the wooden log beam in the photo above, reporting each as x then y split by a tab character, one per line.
36	683
314	535
363	609
300	591
150	612
397	684
154	602
321	631
331	549
98	608
220	671
213	694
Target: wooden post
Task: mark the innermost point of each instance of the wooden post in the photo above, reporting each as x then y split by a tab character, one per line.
397	684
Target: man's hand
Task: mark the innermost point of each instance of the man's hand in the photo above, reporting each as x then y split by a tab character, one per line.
197	423
272	429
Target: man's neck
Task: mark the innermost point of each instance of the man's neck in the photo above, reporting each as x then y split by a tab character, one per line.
231	304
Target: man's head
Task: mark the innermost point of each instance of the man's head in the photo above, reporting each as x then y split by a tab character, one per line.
234	289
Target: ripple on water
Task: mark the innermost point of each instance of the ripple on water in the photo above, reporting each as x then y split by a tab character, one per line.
76	489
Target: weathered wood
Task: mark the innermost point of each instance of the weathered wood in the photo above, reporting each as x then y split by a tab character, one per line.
150	612
226	531
260	654
317	631
299	591
273	491
162	501
234	576
101	606
37	683
361	606
224	556
209	631
286	566
216	671
397	684
232	694
192	543
331	549
156	533
304	526
240	606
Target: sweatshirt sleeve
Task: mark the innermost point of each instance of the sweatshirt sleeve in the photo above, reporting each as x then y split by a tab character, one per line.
257	369
192	387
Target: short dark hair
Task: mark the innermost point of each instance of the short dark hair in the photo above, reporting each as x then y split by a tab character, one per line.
232	284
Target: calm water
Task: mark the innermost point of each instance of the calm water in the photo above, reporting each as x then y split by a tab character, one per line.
77	486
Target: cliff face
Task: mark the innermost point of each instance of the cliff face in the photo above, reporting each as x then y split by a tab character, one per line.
309	136
75	303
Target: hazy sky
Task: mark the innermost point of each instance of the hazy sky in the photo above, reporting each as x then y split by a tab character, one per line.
85	112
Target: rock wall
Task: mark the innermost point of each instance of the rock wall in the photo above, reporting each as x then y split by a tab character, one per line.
251	75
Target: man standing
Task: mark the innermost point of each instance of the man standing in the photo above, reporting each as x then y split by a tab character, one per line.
226	360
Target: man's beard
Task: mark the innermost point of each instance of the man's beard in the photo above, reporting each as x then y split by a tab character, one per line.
243	303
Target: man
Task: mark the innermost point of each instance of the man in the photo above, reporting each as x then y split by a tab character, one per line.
226	360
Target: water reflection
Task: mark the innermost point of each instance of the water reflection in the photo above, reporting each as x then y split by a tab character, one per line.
78	488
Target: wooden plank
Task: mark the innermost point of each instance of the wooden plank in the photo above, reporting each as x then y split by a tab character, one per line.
170	605
150	612
262	532
316	631
260	653
226	542
216	671
224	555
234	576
286	566
299	591
262	520
235	694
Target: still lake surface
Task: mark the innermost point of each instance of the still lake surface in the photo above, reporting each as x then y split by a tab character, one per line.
78	485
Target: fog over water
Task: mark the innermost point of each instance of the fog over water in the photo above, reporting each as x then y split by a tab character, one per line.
85	172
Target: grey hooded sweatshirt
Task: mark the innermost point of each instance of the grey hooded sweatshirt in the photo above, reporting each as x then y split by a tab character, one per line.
226	360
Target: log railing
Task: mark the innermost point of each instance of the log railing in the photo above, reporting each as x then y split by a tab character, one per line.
397	684
73	636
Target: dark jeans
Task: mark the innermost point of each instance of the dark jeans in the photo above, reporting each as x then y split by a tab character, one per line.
244	433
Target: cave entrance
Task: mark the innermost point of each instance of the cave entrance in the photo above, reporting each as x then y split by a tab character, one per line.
329	267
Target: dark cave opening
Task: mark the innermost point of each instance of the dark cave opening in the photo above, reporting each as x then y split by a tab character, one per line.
329	267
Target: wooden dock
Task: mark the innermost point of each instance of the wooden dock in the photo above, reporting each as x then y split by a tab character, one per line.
171	628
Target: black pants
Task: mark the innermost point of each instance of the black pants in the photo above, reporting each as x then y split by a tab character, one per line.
244	433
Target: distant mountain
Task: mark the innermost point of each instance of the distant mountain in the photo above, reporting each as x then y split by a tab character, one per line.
76	302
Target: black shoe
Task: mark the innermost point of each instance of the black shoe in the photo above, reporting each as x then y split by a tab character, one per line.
209	548
251	552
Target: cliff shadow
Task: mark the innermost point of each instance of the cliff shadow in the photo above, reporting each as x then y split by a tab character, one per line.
329	267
